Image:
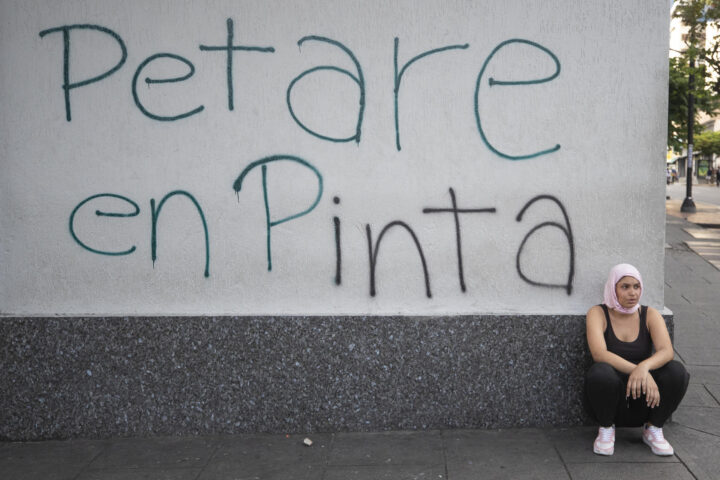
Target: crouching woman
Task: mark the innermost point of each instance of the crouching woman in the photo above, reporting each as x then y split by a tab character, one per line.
634	380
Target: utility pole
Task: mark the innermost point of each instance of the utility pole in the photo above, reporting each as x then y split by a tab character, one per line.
688	204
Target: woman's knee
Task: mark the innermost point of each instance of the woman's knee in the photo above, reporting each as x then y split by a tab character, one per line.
601	374
673	373
601	369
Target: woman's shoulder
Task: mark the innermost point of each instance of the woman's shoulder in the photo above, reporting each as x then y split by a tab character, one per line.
653	314
595	319
596	312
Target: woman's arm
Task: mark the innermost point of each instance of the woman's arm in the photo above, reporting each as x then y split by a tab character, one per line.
640	379
660	339
595	328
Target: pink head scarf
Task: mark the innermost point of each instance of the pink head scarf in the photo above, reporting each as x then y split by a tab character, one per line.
616	273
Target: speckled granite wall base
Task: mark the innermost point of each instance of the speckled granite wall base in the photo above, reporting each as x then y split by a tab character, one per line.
137	376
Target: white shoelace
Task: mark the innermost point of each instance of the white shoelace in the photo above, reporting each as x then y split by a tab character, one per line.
606	434
657	433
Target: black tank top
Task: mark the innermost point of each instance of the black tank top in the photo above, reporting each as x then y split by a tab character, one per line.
635	351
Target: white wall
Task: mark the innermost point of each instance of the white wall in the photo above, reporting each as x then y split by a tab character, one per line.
606	109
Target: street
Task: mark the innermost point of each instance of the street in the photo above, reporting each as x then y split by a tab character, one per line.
701	193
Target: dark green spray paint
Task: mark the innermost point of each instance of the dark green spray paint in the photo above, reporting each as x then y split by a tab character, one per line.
155	215
359	80
492	82
103	214
67	85
399	75
229	48
150	81
237	186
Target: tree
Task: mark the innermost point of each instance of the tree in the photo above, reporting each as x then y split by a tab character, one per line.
706	101
698	61
697	15
708	143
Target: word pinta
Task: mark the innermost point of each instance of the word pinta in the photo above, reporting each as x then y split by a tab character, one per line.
229	48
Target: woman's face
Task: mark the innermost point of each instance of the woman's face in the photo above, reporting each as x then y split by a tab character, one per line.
628	291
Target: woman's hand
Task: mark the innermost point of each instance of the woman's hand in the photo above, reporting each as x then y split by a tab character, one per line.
638	381
652	393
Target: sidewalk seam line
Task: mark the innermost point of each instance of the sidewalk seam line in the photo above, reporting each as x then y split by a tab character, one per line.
711	394
84	468
444	452
626	462
678	353
216	447
323	474
562	460
685	465
700	406
698	430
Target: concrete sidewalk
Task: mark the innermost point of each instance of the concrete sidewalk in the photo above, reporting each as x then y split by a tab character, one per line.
692	293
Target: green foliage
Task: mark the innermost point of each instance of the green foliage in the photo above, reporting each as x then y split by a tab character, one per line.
707	143
696	15
706	101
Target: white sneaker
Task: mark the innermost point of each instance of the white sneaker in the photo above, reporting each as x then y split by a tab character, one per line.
605	441
653	437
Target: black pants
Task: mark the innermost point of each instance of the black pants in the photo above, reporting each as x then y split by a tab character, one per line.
605	395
